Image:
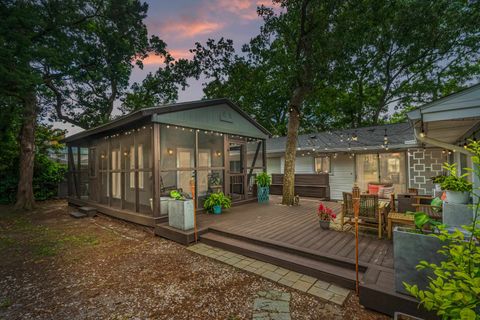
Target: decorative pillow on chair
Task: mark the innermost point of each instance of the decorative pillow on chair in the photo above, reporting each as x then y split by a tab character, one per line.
373	188
385	192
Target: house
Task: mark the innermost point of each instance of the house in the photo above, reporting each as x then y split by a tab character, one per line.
126	167
383	153
406	155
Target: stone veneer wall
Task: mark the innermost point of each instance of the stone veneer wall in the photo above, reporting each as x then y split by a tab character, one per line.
423	165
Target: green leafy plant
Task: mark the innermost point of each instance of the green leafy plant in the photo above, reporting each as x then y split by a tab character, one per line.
217	199
424	222
438	179
177	195
454	289
263	180
455	182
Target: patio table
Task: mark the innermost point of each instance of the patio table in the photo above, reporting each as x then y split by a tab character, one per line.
399	218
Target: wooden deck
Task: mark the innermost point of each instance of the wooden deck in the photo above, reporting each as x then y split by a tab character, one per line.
292	238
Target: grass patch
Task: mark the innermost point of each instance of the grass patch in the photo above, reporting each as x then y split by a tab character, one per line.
19	232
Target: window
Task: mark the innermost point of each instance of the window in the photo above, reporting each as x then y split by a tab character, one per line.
322	164
132	167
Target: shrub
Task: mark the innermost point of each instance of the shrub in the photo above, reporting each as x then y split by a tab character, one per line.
454	288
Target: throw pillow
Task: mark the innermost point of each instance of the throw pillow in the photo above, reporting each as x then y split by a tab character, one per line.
385	192
437	202
373	188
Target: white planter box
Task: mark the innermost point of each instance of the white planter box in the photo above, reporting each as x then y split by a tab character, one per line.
164	205
180	214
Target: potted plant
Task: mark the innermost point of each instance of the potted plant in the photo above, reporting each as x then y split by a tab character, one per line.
437	181
410	246
180	211
216	201
457	186
453	288
263	187
325	215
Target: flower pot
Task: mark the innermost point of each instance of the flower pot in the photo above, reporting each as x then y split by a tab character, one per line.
325	225
457	215
409	248
217	209
458	197
180	214
263	194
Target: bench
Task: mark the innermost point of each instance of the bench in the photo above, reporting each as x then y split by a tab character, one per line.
314	185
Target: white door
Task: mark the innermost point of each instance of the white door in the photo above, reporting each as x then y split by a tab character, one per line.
204	160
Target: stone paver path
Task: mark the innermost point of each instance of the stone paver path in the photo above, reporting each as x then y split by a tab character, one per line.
289	278
272	305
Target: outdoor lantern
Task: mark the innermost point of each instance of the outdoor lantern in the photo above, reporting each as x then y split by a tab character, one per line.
170	151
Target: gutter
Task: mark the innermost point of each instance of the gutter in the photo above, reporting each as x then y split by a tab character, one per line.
440	144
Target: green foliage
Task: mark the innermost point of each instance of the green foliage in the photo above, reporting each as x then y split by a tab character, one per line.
455	182
423	222
454	289
438	179
175	194
217	199
47	173
376	55
263	179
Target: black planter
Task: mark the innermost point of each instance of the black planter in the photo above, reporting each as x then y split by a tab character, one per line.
325	225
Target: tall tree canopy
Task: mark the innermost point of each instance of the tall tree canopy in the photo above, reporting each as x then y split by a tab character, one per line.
68	60
317	65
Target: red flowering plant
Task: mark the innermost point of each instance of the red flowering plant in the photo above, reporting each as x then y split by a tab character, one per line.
325	213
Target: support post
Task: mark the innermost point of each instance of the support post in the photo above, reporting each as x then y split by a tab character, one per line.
356	209
192	186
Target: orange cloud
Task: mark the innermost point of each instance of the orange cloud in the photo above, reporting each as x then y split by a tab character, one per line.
188	28
176	53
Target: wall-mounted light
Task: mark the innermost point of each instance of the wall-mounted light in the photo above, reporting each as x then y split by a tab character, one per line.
354	136
170	151
125	153
102	156
218	153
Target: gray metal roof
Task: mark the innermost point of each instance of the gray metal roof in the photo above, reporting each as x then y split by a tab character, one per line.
400	136
147	113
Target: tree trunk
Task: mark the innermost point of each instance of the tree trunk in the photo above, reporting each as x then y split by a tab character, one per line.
291	148
25	198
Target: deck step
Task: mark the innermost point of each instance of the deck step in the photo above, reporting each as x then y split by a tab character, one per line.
77	215
341	275
89	211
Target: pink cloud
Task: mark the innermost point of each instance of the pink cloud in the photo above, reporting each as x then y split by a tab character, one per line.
188	28
176	53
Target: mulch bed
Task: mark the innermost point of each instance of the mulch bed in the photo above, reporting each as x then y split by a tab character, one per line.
55	267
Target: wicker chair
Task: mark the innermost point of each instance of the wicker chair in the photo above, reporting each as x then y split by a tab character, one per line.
369	213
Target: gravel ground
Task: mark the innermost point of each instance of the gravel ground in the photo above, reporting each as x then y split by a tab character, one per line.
55	267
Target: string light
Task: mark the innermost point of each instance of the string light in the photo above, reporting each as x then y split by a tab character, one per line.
354	136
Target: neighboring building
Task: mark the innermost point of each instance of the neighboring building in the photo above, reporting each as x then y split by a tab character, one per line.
123	168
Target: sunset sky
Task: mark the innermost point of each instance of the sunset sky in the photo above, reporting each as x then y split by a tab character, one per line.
181	23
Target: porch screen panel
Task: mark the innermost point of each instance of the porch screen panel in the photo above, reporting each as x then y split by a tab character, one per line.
128	171
255	154
116	172
393	170
210	166
143	142
103	174
255	165
367	170
177	158
84	174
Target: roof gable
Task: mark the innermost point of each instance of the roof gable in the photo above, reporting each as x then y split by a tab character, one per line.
462	104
